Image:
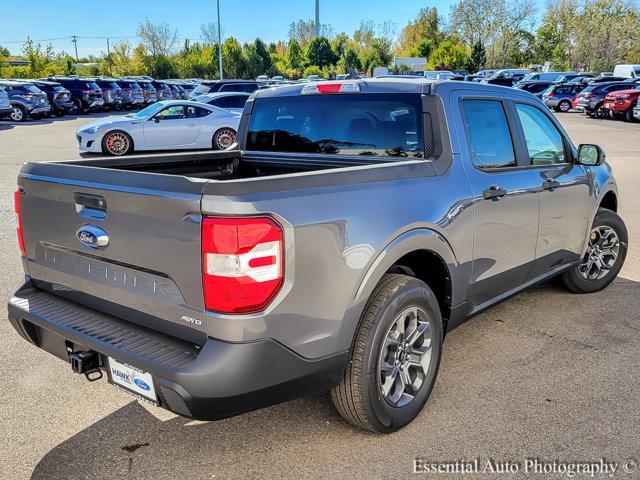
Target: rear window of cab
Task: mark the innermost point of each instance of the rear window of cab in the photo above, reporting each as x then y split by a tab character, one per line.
344	124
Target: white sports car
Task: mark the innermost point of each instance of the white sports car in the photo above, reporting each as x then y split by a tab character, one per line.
166	125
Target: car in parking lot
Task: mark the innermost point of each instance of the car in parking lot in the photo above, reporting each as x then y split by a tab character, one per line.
111	93
58	96
621	103
85	94
591	99
26	100
165	125
132	93
233	101
5	105
636	111
213	86
560	97
163	90
546	76
149	92
535	87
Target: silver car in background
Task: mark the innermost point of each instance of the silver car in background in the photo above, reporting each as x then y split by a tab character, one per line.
5	104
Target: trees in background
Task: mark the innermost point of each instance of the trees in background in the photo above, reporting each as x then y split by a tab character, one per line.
589	35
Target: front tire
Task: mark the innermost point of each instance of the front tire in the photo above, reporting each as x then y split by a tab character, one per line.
564	106
394	358
605	255
628	115
117	143
223	139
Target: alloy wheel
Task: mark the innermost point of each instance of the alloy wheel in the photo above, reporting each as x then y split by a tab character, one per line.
601	254
117	143
17	115
225	138
565	107
405	356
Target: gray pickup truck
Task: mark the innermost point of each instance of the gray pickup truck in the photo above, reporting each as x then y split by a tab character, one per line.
355	223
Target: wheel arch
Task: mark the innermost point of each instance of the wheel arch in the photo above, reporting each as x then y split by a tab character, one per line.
421	253
609	201
218	130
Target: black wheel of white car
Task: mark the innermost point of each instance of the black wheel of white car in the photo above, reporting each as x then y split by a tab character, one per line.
564	106
394	358
18	114
223	139
604	256
117	143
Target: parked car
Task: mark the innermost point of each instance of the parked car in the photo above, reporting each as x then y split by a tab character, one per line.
546	76
561	97
505	81
59	97
176	91
262	78
111	93
536	88
132	94
438	74
627	71
26	100
331	251
165	125
636	111
232	101
85	95
163	90
591	99
486	73
606	79
574	77
5	105
621	103
149	92
213	86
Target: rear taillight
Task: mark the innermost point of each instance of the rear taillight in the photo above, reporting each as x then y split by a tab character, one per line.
334	87
16	200
242	263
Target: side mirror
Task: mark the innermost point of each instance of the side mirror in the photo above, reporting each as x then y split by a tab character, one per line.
156	119
591	155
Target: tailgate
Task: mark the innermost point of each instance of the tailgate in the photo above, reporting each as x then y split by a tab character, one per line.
149	264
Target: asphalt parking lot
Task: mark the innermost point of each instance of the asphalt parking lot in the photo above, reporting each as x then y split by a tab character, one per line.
547	374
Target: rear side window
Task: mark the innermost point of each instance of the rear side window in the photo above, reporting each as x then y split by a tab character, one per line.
359	124
232	87
488	134
231	101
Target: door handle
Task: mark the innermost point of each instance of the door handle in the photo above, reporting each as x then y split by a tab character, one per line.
191	125
550	185
494	192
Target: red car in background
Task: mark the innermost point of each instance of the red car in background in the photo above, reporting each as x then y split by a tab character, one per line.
620	104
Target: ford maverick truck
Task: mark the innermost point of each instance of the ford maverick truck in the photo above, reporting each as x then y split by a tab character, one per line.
353	224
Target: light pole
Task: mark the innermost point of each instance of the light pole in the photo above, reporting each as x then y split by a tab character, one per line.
317	18
219	41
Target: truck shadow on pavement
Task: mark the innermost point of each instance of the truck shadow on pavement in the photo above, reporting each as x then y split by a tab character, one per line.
548	342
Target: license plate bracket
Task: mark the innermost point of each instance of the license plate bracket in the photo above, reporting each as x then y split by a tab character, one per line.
132	379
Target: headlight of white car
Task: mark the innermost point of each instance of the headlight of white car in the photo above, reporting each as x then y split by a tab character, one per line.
89	130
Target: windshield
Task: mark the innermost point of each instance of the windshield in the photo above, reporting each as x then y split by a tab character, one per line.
370	124
147	112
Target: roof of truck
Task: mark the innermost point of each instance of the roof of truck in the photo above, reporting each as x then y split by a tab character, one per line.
388	84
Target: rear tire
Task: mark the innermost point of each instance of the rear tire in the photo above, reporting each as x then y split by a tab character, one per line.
18	114
387	380
608	245
223	139
117	143
628	115
564	106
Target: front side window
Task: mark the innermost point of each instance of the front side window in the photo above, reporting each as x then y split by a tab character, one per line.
174	112
544	141
387	125
488	134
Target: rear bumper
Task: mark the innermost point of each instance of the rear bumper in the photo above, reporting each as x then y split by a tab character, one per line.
5	111
206	382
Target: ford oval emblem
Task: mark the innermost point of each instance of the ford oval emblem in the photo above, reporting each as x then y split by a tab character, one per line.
92	236
141	384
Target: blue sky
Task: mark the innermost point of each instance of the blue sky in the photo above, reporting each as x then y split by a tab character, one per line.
243	19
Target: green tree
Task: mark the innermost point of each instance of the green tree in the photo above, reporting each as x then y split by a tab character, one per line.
352	59
477	57
425	28
265	57
319	52
4	52
232	58
312	70
160	39
295	57
423	49
449	54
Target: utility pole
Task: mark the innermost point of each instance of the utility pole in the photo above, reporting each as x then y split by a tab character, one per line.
74	39
109	57
219	42
317	18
